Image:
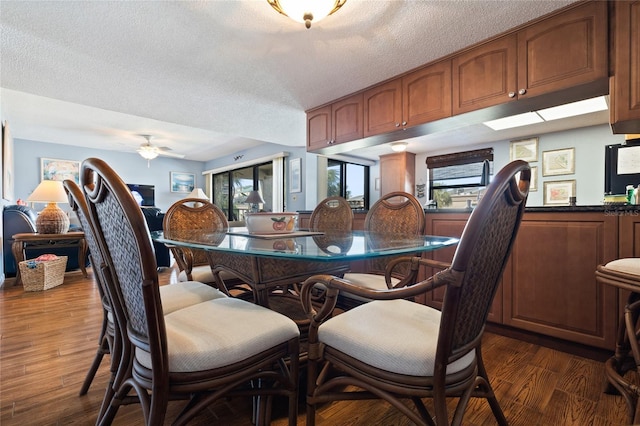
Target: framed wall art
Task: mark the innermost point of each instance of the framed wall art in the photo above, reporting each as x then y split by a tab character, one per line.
7	163
53	169
558	193
295	177
533	184
182	182
558	162
525	149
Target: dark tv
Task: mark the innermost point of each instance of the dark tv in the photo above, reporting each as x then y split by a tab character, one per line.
144	194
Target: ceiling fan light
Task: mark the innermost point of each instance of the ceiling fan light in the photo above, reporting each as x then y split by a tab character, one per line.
306	11
148	152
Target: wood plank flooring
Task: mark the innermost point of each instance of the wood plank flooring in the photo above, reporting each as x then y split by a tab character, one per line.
48	340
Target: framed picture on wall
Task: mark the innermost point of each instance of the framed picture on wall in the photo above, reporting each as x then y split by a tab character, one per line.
559	162
295	177
558	193
533	185
53	169
525	149
182	182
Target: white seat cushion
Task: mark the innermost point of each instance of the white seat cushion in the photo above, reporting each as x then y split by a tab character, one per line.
394	335
629	265
181	295
370	281
220	332
203	274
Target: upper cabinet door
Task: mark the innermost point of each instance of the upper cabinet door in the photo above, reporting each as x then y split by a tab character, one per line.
485	75
383	108
625	87
564	51
426	94
347	119
319	128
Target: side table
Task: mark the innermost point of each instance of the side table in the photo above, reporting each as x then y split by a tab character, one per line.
23	241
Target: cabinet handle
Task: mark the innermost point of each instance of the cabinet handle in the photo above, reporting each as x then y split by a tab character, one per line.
404	123
522	91
512	94
330	142
397	124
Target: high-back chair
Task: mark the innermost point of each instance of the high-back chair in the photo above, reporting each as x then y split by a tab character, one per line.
395	349
111	340
332	214
191	214
204	352
395	213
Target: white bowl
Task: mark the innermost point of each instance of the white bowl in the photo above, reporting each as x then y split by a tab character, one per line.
271	223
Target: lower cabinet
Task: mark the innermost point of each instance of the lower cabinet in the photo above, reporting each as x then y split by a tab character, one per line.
549	285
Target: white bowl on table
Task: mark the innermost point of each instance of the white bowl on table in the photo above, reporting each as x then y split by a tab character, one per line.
271	223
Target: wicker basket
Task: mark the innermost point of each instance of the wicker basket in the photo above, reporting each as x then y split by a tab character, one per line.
45	275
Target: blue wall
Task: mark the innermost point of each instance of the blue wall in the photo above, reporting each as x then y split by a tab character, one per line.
130	166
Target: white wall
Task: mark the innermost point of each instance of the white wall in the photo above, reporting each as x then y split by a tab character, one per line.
589	144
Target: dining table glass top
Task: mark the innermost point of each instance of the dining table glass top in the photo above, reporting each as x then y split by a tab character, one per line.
304	245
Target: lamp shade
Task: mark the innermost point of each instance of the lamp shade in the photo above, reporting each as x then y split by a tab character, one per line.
254	197
49	191
198	193
52	219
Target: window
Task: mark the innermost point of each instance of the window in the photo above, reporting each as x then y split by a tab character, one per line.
231	188
457	180
350	181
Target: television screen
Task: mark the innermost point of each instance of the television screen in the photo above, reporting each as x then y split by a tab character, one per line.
144	194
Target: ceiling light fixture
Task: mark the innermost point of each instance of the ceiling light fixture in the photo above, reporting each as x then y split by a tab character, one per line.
548	114
399	146
306	11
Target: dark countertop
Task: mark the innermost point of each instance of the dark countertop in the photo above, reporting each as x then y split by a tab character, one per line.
544	209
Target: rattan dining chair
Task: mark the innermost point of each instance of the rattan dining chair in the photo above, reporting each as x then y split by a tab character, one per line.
174	297
333	214
194	214
395	213
202	353
396	349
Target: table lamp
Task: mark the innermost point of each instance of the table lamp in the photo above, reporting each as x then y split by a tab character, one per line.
52	219
254	198
198	193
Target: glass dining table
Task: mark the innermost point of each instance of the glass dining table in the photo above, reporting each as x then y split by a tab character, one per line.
270	261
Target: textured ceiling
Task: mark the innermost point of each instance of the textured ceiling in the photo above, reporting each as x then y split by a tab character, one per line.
210	78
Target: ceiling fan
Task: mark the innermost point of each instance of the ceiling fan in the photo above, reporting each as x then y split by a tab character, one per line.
149	152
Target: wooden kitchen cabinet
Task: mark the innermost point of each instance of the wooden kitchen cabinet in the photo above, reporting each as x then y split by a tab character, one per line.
549	286
397	172
561	52
625	83
416	98
336	123
485	75
450	225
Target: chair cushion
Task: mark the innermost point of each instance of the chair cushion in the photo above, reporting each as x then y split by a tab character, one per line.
181	295
370	281
394	335
628	265
220	332
203	274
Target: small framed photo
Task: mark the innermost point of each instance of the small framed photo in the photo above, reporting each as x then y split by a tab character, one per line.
52	169
295	177
558	162
182	182
533	185
525	149
558	193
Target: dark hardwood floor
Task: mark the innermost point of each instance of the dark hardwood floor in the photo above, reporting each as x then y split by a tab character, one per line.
48	340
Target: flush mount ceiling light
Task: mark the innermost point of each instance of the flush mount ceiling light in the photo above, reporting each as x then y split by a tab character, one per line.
305	11
399	146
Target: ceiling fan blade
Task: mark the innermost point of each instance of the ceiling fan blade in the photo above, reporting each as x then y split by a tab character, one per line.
169	154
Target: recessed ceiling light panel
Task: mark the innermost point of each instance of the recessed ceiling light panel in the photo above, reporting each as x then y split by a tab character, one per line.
514	121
